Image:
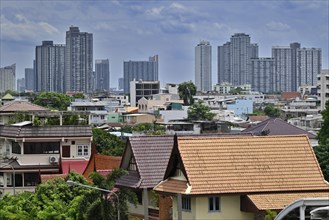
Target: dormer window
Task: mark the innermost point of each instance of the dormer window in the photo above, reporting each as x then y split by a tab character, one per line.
132	164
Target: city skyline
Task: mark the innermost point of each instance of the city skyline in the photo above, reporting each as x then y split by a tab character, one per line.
126	30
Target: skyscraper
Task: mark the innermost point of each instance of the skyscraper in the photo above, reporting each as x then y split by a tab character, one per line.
308	66
29	79
262	74
234	59
203	66
120	83
20	85
295	66
49	72
78	61
102	72
140	70
8	78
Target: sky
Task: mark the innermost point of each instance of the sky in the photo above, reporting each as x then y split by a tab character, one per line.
134	30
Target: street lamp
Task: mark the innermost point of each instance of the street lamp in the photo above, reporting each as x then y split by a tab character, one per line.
14	183
72	183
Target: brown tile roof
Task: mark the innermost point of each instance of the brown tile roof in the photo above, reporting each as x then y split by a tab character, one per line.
151	154
276	201
276	126
289	95
101	163
173	186
19	106
255	118
250	164
46	131
132	180
46	177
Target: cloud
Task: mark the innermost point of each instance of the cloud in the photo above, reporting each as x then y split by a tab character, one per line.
277	26
21	29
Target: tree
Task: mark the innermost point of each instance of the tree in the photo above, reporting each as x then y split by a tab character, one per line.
78	96
322	151
270	215
53	100
199	111
271	111
107	143
186	91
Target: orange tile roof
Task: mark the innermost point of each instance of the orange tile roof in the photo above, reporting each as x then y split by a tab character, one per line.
102	162
250	164
46	177
173	186
276	201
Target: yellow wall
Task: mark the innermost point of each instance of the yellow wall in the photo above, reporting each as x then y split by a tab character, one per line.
230	209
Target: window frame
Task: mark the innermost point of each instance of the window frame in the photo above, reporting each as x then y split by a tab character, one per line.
212	204
82	150
186	204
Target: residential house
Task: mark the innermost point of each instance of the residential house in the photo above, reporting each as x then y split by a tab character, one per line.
146	158
138	118
239	177
13	108
6	98
276	126
27	151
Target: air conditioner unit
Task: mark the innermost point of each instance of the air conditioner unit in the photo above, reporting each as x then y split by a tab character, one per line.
53	159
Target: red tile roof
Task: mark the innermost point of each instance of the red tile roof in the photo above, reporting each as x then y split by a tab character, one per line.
77	165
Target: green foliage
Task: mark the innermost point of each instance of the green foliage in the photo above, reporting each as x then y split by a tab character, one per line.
270	215
107	143
36	121
53	100
322	151
271	111
78	96
55	199
18	117
52	121
186	91
236	91
199	111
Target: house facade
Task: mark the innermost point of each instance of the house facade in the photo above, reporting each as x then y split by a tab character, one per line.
26	152
239	177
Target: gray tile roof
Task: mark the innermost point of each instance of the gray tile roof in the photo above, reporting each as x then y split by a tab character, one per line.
276	126
152	155
46	131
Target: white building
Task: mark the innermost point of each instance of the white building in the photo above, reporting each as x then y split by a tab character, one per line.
8	78
323	87
140	89
203	66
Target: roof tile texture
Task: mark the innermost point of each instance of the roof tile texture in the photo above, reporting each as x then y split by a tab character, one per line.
152	154
280	200
17	106
102	163
277	126
250	164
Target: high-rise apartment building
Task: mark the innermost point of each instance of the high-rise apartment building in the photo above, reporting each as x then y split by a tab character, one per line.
262	74
29	79
234	60
102	74
120	83
78	61
323	87
49	64
295	66
140	89
20	85
308	66
203	66
140	70
8	78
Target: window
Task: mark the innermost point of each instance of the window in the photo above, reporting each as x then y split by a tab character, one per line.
186	204
31	179
214	204
41	148
132	164
16	149
83	150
